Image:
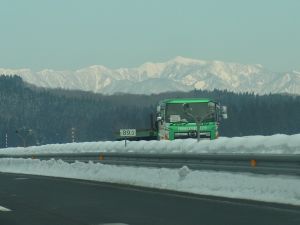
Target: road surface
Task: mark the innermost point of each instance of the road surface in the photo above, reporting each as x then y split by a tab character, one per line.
36	200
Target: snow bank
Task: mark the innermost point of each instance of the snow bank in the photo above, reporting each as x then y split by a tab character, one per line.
281	189
275	144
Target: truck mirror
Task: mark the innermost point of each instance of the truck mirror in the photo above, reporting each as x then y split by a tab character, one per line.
158	108
211	107
224	112
224	109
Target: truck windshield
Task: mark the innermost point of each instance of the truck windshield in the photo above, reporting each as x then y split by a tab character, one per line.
175	113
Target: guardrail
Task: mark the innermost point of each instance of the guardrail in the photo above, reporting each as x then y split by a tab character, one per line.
254	163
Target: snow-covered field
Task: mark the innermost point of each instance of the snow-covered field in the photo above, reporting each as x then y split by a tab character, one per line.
275	144
281	189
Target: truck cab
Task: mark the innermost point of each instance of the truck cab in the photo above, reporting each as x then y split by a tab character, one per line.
189	118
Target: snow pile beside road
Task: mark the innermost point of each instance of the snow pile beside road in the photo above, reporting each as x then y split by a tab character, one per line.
281	189
275	144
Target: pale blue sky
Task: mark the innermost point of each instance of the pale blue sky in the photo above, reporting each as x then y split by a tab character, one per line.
62	34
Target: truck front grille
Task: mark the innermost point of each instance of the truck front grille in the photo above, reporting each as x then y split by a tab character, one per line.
191	134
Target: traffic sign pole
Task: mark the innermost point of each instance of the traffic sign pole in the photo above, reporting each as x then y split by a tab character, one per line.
127	133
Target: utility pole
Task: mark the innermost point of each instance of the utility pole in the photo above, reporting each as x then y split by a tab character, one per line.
23	133
6	140
73	134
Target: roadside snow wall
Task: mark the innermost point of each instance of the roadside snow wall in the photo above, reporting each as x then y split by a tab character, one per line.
275	144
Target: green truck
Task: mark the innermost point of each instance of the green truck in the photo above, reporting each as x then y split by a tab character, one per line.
183	118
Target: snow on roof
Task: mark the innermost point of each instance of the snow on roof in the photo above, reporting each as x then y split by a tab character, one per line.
186	100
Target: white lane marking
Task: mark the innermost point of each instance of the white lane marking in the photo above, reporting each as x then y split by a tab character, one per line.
3	209
113	224
21	178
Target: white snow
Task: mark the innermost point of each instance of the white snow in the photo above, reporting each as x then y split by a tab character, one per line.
275	144
199	85
281	189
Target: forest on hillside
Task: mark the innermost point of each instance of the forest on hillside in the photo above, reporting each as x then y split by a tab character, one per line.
35	116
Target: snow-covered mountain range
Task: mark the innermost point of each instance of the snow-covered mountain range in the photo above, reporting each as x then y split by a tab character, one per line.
178	74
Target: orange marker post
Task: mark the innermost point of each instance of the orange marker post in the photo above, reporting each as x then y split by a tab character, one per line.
253	162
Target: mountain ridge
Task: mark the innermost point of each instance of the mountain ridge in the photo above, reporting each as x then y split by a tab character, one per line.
177	74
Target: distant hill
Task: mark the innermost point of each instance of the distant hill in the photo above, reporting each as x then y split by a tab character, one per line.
43	116
178	74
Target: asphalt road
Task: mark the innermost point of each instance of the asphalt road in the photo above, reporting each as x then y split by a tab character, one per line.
35	200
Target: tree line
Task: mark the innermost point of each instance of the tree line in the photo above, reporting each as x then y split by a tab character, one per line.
36	116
